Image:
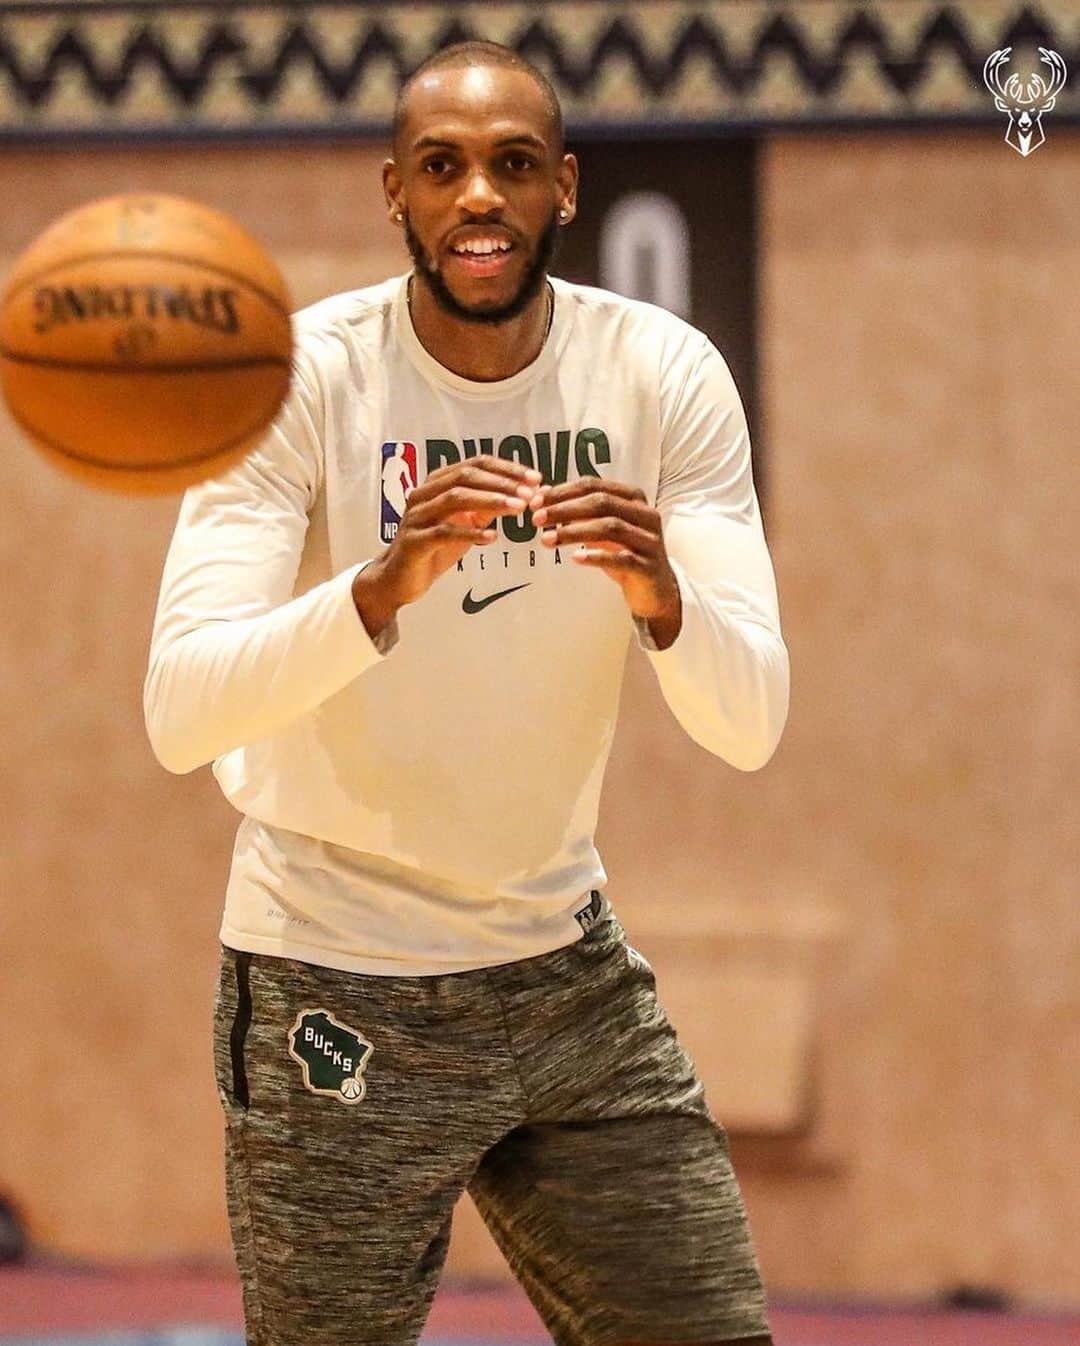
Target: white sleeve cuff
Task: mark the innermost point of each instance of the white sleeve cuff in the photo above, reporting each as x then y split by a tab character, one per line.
641	624
644	635
387	638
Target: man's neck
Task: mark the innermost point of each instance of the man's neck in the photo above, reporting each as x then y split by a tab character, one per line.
483	352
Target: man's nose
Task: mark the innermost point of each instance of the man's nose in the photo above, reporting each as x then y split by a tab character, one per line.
478	195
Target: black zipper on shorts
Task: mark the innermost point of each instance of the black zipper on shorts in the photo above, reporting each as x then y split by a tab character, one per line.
241	1024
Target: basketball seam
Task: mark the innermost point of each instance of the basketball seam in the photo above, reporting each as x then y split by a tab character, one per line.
162	467
191	367
152	255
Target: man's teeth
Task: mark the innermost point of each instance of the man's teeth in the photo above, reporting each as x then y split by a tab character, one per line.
482	246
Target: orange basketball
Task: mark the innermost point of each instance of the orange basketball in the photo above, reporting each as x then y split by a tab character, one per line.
144	343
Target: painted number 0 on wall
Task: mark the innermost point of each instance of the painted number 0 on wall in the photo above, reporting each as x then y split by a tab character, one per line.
645	251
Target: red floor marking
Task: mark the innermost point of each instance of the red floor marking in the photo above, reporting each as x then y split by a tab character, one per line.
35	1301
897	1327
69	1301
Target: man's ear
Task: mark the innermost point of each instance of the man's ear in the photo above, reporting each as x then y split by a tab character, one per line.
392	189
566	175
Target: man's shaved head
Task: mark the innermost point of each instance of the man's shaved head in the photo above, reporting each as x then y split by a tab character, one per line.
480	54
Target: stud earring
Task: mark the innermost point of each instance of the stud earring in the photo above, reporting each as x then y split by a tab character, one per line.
563	213
398	216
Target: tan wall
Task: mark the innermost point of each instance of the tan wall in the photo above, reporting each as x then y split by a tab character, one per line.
922	397
870	944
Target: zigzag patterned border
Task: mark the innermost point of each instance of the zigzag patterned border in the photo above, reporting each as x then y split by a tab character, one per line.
185	69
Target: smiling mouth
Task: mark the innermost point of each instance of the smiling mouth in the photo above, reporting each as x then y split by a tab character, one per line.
483	256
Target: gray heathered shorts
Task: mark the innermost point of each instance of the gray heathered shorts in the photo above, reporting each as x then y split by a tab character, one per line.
359	1108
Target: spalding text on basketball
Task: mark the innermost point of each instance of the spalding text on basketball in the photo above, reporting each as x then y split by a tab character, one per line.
212	307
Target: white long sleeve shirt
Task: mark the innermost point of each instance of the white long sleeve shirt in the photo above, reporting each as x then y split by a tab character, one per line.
427	803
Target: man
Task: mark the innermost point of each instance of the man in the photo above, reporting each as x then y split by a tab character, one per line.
411	697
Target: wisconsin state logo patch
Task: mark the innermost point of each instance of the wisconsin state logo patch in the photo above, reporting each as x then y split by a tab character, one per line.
331	1054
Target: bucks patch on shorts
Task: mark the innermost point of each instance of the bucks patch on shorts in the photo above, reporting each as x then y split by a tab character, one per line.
553	1089
331	1054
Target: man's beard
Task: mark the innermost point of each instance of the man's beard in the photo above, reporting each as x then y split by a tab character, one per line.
531	282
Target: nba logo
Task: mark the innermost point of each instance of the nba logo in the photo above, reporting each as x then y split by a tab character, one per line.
398	479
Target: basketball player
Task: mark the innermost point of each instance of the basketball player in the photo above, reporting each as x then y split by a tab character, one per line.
411	697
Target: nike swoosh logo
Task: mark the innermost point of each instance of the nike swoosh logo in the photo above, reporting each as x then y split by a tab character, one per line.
471	605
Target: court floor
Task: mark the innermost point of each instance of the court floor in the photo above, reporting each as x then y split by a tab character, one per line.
65	1306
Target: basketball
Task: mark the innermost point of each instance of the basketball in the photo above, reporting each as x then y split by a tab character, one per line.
145	343
352	1089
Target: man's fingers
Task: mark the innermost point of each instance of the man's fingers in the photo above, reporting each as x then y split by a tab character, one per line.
619	532
460	501
610	560
445	531
489	482
566	489
485	472
585	486
598	504
486	462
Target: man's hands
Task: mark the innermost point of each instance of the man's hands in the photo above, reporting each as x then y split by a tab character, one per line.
451	511
623	537
454	508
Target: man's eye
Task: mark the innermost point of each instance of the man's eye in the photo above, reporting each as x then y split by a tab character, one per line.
520	163
436	167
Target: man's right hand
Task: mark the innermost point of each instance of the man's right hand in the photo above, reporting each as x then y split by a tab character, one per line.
451	511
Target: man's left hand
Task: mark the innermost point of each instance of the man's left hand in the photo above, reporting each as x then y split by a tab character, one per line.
622	536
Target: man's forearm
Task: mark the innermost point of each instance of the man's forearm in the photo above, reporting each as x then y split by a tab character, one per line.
727	676
228	683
